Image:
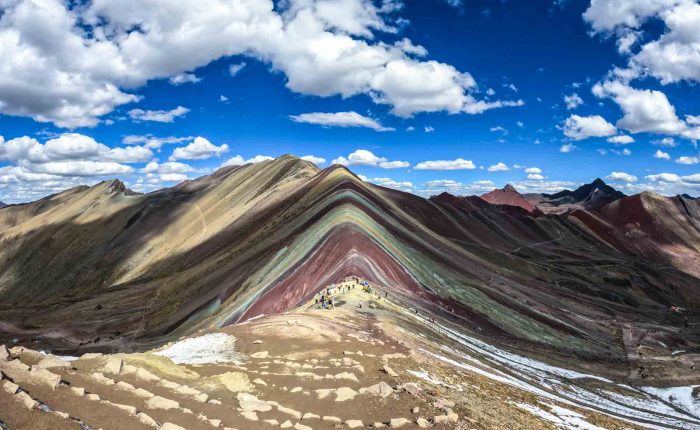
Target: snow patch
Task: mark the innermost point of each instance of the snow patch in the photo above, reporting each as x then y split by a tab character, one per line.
206	349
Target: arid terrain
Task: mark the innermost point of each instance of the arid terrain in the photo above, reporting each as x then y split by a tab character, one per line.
195	306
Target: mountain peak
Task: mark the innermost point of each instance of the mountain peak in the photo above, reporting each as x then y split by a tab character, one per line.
599	183
510	189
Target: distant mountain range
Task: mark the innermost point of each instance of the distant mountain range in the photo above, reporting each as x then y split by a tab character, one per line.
107	268
2	205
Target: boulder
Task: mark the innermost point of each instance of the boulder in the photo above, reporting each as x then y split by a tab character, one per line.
251	416
45	377
4	353
157	402
344	393
300	426
309	416
381	389
389	371
423	423
113	366
354	424
396	423
171	426
78	391
50	361
9	387
289	411
254	406
92	397
261	354
145	419
26	400
331	419
286	425
144	394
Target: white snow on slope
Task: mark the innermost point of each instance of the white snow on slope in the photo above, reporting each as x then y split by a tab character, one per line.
206	349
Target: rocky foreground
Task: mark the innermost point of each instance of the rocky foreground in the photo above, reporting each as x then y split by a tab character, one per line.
367	363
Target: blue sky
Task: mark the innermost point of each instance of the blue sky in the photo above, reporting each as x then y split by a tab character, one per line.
423	96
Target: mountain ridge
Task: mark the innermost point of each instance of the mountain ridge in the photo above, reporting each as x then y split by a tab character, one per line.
119	270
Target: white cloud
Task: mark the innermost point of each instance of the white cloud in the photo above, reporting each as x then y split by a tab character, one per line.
643	110
671	56
237	160
199	149
153	142
567	147
520	124
223	98
235	69
158	115
363	157
66	148
668	142
533	170
340	119
184	78
582	127
167	167
390	183
621	139
688	160
662	155
173	177
72	65
313	159
535	177
621	176
665	177
457	164
499	167
428	129
573	101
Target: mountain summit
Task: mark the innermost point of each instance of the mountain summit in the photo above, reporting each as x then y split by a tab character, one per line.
593	195
508	195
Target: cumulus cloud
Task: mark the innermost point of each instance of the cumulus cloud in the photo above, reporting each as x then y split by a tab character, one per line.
573	101
313	159
582	127
72	65
668	142
235	69
363	157
390	183
621	139
643	110
534	170
662	155
621	176
63	161
671	56
184	78
199	149
688	160
566	148
457	164
158	115
237	160
340	119
665	177
153	142
499	167
535	177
